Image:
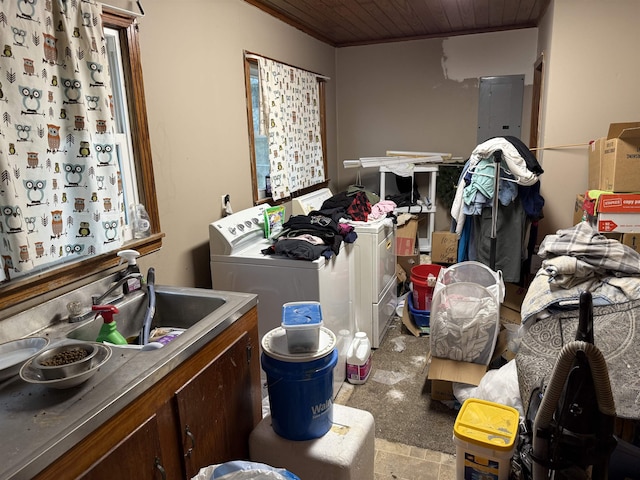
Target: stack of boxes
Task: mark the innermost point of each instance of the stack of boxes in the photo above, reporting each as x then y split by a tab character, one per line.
614	167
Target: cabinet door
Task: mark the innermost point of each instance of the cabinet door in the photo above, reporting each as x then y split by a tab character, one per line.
136	456
215	408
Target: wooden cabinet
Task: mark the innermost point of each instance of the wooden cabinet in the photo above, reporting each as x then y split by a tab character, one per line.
200	414
212	407
140	448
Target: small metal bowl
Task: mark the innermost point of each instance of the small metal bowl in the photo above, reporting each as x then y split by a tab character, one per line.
65	360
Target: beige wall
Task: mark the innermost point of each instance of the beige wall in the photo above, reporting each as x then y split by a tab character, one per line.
192	56
591	80
423	95
391	96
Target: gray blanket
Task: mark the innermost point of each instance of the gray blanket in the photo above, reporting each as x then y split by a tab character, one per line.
616	334
580	259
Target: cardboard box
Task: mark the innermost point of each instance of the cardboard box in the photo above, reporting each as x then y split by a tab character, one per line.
596	152
578	209
407	262
514	296
443	371
618	213
442	390
406	237
444	247
508	315
620	170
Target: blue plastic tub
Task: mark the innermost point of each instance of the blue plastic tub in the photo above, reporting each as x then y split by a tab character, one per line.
420	317
300	395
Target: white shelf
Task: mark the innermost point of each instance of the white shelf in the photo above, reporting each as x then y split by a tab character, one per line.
416	209
429	211
424	244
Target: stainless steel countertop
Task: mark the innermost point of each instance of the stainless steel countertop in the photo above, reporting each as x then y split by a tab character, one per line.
39	424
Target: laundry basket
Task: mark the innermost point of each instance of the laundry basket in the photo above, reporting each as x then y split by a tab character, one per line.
465	319
472	272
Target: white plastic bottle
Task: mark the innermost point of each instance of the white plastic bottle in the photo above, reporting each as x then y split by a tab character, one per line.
359	359
141	221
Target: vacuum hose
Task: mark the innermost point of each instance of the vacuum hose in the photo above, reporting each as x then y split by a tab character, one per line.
552	395
151	306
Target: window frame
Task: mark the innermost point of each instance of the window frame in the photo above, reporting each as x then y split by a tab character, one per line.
30	287
322	98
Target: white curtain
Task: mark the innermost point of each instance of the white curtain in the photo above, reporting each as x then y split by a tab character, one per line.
60	185
290	110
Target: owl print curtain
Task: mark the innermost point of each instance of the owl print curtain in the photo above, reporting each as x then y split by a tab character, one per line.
291	119
60	185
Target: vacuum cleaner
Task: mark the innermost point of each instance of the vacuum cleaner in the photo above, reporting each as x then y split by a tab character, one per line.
568	429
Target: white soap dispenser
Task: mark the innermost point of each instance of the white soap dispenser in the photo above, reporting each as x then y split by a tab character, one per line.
134	283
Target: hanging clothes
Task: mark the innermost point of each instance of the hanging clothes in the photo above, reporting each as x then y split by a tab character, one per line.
520	204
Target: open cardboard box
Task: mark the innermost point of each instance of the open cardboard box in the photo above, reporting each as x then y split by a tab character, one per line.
443	372
620	163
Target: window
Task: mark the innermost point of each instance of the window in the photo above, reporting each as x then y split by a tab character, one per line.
138	180
124	146
284	165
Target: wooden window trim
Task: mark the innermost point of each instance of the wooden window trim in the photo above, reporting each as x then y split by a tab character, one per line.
252	151
32	286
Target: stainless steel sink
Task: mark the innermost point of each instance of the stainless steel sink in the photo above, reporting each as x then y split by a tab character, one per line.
59	419
178	308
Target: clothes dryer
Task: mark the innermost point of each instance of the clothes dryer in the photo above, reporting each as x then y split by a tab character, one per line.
374	268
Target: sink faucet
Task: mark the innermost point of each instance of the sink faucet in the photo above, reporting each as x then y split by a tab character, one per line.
98	299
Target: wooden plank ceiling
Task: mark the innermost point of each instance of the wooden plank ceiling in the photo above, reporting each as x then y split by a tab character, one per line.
358	22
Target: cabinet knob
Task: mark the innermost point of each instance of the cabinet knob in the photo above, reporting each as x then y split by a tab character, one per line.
192	438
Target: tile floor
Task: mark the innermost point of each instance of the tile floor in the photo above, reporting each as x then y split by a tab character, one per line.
398	461
403	462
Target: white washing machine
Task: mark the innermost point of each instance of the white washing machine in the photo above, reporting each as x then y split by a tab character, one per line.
374	268
238	264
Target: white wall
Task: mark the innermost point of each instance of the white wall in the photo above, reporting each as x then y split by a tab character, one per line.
422	95
591	80
192	58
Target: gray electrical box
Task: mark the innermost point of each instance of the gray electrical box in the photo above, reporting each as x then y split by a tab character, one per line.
500	106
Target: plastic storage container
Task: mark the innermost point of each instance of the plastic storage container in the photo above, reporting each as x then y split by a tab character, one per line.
300	385
420	317
359	359
485	437
301	322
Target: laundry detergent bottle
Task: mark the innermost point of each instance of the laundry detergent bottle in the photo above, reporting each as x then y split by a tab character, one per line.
359	359
109	331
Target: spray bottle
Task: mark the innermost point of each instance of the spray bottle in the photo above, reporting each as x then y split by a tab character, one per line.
132	284
109	331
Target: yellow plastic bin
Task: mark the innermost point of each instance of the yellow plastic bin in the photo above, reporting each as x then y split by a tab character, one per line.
485	437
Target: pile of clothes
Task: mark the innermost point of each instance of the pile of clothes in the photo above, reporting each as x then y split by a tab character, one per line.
322	232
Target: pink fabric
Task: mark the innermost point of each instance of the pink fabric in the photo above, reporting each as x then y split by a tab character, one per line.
381	209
